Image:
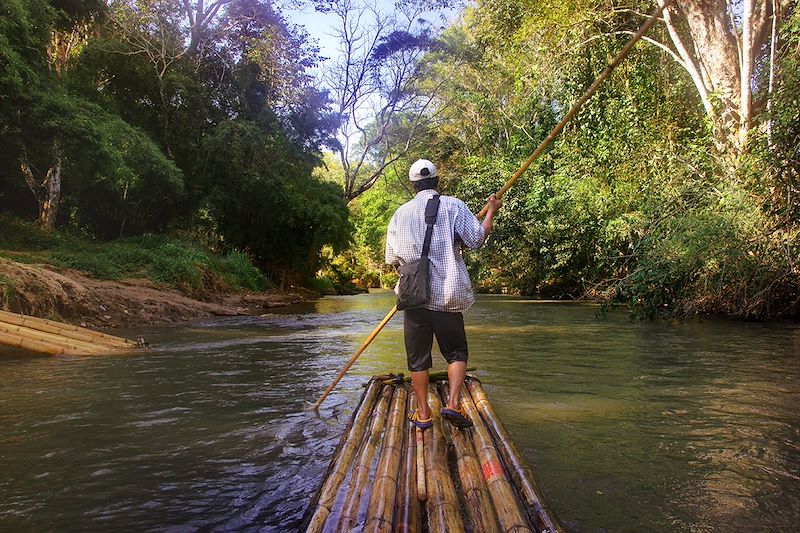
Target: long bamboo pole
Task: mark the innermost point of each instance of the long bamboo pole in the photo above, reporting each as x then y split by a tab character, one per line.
355	356
553	134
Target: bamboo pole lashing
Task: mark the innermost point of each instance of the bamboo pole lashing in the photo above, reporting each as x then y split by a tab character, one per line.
380	509
359	481
509	512
342	461
442	502
517	469
408	516
433	376
479	505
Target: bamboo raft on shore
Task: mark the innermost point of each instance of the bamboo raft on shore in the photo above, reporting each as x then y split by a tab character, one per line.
55	338
471	479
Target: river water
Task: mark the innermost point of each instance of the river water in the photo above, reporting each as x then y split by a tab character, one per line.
627	426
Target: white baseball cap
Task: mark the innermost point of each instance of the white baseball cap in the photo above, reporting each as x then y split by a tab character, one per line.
422	169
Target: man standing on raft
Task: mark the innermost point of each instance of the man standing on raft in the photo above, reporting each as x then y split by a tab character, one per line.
450	287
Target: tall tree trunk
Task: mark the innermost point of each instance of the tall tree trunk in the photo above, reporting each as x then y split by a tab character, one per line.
52	185
47	192
716	54
722	55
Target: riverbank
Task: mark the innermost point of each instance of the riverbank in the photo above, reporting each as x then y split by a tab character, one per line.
75	298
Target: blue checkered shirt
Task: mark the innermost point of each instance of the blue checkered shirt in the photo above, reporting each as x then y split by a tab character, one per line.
451	289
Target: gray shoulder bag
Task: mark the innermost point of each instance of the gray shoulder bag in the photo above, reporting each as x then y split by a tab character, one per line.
414	287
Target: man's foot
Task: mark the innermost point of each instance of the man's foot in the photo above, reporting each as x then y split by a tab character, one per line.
420	422
457	417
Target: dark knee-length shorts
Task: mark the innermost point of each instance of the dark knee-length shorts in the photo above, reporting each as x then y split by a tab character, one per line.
420	325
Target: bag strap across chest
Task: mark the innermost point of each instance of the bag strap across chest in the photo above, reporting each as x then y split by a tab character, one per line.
431	213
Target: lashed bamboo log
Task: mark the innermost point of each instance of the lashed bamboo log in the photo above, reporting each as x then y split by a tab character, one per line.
479	502
532	499
24	343
66	330
359	482
343	459
511	516
72	344
408	516
444	513
419	449
380	510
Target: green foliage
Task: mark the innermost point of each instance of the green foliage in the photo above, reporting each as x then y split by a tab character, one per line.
159	128
362	265
322	285
175	262
630	202
7	292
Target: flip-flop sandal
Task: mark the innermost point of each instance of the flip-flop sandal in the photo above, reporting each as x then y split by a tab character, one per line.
420	423
457	417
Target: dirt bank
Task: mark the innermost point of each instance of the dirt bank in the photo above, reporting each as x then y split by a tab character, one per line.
72	297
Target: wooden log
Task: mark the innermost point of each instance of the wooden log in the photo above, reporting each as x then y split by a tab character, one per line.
537	512
359	486
67	330
72	344
342	460
479	505
408	515
509	513
380	510
444	511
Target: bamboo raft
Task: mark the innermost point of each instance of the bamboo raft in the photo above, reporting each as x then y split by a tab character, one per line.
55	338
386	475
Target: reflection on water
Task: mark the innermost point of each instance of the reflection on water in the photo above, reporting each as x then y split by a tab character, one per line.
628	426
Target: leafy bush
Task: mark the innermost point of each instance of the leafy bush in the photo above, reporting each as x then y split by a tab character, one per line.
176	262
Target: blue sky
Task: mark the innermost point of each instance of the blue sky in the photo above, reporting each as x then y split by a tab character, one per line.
318	25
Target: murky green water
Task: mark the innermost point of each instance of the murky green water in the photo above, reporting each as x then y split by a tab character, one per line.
627	426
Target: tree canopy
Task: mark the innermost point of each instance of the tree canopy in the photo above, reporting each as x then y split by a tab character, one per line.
674	189
144	116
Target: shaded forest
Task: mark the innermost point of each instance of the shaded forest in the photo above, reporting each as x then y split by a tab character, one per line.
673	192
